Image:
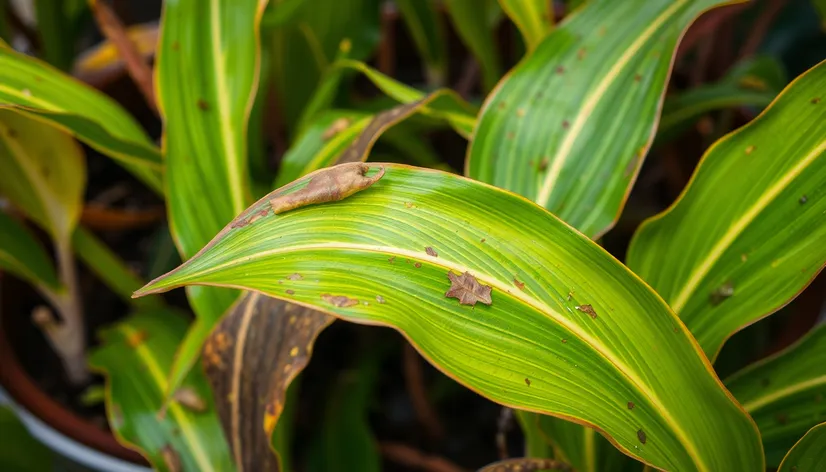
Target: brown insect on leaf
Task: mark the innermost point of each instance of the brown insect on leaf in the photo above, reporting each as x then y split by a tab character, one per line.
171	459
641	436
189	398
330	184
430	252
335	127
721	293
295	276
588	310
527	464
340	301
467	289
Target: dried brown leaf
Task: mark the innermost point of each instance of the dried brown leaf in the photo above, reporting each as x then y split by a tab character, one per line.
330	184
467	289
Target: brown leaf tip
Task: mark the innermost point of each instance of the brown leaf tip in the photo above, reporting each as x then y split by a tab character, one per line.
641	436
588	310
340	301
430	252
468	290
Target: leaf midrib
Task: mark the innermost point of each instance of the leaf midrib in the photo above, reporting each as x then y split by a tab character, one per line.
541	307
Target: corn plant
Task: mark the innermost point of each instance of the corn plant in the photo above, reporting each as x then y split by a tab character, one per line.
496	277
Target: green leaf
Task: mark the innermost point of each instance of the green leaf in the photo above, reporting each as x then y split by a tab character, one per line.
534	18
280	12
570	125
45	93
807	455
19	451
724	269
55	29
536	445
424	24
44	172
471	18
207	76
23	256
109	268
754	83
364	259
5	33
583	447
820	6
785	393
135	356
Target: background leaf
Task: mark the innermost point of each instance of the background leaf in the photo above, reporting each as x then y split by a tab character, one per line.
583	447
724	270
19	451
135	355
570	125
534	18
206	77
47	94
785	393
424	23
582	358
807	454
22	255
472	20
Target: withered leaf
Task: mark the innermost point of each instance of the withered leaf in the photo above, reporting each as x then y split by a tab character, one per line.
340	301
588	310
430	252
721	293
250	359
467	289
171	459
190	399
527	464
330	184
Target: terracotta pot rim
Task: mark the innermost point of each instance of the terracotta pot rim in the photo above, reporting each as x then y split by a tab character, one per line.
26	393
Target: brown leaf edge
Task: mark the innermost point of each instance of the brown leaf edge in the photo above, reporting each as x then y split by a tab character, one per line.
250	359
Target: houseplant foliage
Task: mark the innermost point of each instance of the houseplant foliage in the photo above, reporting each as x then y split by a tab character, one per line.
497	277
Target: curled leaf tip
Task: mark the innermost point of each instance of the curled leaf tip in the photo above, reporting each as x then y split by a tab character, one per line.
328	185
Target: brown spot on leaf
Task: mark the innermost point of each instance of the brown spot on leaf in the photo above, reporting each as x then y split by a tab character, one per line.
744	257
335	127
721	293
543	165
630	405
379	299
803	200
340	301
581	53
330	184
409	205
136	338
565	124
564	341
290	292
171	459
815	100
203	105
750	149
189	398
641	436
637	77
467	289
392	259
519	285
417	265
520	112
527	381
782	418
764	383
295	276
241	222
560	70
430	252
11	133
502	105
588	310
510	135
175	46
482	240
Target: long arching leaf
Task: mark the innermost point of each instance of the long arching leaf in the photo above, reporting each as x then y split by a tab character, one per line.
534	18
569	126
785	393
746	236
807	455
497	293
207	73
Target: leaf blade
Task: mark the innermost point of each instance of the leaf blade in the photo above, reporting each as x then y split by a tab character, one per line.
807	454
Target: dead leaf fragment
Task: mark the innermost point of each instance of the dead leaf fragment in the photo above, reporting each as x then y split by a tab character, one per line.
430	252
467	289
330	184
335	127
340	301
588	310
171	459
721	293
190	399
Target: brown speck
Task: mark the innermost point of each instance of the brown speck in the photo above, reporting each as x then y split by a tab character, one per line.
520	113
630	405
430	252
12	133
676	329
340	301
37	78
637	77
560	70
502	105
818	398
744	257
335	127
815	100
721	293
482	240
409	205
764	382
527	381
290	292
392	259
509	135
407	261
782	418
564	341
418	265
588	310
295	276
641	436
379	299
519	285
581	53
190	399
467	289
171	459
750	149
203	105
794	468
175	46
543	165
803	200
565	124
136	338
